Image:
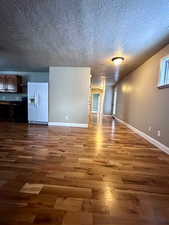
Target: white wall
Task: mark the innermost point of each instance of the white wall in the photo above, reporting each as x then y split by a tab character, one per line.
68	95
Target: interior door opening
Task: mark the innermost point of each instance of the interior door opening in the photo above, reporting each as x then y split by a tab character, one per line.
95	103
115	101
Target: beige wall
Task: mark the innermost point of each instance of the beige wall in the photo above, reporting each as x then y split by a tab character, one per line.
68	94
141	104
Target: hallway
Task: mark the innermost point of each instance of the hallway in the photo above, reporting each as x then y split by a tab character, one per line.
102	175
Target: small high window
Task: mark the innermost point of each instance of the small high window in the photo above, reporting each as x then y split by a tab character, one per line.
164	73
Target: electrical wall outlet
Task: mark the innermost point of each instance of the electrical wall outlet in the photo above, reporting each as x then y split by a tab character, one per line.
158	133
149	128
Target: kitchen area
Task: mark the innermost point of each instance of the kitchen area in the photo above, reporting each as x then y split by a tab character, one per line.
24	97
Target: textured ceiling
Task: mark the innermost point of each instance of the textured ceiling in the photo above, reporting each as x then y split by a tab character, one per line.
36	34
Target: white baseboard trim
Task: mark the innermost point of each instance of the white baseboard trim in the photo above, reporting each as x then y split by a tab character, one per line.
156	143
62	124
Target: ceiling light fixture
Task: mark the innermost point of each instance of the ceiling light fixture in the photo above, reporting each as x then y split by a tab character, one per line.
117	60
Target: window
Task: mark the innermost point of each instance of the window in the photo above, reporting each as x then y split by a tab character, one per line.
164	73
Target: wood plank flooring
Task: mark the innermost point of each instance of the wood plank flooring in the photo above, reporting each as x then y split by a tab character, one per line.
103	175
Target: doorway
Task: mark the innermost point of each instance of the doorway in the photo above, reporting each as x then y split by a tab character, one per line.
115	101
95	103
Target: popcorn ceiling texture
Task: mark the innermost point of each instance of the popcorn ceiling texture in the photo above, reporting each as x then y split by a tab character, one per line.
42	33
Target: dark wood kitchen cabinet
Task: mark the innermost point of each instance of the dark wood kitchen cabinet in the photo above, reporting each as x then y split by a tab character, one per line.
13	83
10	83
14	111
2	84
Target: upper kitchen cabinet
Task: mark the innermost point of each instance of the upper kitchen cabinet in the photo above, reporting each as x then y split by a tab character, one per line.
10	83
2	84
13	83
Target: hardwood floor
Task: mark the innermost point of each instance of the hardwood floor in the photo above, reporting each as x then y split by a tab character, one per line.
104	175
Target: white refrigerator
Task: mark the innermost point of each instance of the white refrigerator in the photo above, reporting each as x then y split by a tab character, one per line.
38	103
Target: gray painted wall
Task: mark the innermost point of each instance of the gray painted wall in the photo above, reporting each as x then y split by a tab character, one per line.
69	94
141	104
26	76
108	98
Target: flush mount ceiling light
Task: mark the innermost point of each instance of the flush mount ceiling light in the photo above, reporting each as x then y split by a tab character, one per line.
117	60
